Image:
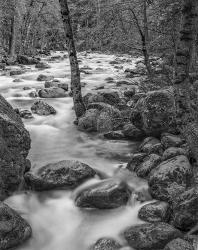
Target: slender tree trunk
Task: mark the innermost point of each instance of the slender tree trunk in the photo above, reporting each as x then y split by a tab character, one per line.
186	110
12	42
79	106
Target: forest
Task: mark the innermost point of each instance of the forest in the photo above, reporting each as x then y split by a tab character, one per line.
99	124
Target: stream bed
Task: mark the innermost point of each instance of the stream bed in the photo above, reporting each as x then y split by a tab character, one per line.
56	222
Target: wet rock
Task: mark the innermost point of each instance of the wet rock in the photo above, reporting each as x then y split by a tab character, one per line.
148	164
26	88
15	145
179	244
123	82
104	195
26	114
155	113
52	93
173	151
114	62
114	135
42	77
17	80
169	140
155	212
63	86
65	174
129	93
51	84
135	161
42	108
133	133
111	98
14	230
185	209
171	175
42	65
89	121
151	145
151	236
106	244
17	72
27	60
33	94
2	66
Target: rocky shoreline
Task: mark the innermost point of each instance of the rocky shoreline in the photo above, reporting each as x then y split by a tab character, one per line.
163	159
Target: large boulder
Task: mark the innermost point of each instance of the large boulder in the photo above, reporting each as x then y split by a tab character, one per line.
170	175
135	161
152	236
14	230
42	108
14	148
131	132
106	244
170	140
173	151
185	209
179	244
65	174
27	60
157	211
52	93
151	145
88	122
104	195
155	113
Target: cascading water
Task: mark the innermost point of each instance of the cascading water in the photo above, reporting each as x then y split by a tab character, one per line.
56	222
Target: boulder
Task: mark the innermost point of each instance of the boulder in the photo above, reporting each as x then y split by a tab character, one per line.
107	194
114	135
52	93
151	145
133	133
27	60
88	122
65	174
157	211
51	84
151	236
15	145
170	176
63	86
179	244
26	114
17	72
42	108
42	77
185	209
155	113
173	151
33	94
135	161
17	80
42	65
169	140
106	244
14	230
149	163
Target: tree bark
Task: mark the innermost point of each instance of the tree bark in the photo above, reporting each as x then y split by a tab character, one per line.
12	42
79	106
186	112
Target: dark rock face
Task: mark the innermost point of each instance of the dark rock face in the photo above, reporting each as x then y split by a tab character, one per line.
104	195
169	140
42	65
170	175
61	175
14	230
26	60
179	244
42	77
15	145
106	244
172	152
151	145
185	209
155	113
52	93
155	212
42	108
148	164
151	236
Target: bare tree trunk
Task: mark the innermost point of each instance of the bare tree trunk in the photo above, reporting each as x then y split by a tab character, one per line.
79	106
186	111
12	42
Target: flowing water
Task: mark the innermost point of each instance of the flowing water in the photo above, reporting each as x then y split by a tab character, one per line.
56	222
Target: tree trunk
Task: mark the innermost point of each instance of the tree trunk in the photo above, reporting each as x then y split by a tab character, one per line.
186	113
12	42
79	106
